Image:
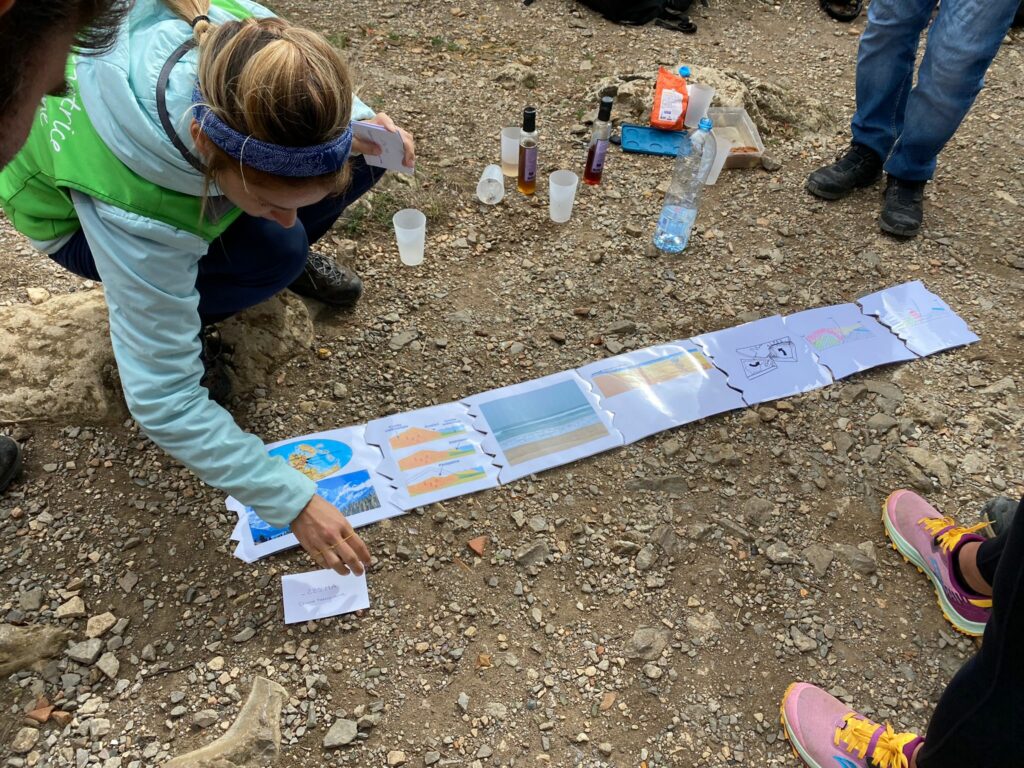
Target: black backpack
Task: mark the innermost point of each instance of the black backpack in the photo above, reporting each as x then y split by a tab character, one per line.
636	11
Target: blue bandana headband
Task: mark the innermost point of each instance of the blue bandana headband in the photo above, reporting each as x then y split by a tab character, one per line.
277	160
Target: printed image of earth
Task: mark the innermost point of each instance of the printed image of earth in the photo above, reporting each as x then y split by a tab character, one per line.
316	459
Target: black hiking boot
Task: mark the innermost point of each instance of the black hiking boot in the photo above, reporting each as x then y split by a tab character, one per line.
326	280
903	208
999	513
859	167
10	461
215	366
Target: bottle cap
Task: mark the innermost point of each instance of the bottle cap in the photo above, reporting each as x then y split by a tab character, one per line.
530	119
605	111
705	124
684	71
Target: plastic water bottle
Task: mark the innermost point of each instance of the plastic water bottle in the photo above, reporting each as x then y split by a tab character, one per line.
680	208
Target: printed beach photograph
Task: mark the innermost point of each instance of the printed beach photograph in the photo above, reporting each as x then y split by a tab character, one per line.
543	421
350	493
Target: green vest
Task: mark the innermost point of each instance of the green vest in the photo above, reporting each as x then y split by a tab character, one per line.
64	152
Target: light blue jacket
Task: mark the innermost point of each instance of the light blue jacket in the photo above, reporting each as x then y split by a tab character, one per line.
149	268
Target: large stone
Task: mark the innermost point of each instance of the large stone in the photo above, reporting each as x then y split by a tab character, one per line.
532	553
266	337
21	647
24	740
60	367
771	105
253	741
932	465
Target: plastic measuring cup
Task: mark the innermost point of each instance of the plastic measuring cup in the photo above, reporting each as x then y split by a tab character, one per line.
700	100
491	187
562	194
411	234
510	151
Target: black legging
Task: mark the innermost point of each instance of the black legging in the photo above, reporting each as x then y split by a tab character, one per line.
979	721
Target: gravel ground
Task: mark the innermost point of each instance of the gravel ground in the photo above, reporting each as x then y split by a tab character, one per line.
679	584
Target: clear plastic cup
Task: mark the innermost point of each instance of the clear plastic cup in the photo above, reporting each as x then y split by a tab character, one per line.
510	151
411	234
700	97
491	187
562	194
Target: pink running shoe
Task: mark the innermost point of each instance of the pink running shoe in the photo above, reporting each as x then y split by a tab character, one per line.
825	733
930	541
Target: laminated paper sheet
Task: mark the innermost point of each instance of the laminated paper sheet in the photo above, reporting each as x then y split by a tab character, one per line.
764	360
432	454
846	340
924	321
658	388
344	468
542	424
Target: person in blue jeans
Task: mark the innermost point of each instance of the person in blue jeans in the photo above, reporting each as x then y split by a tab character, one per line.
899	127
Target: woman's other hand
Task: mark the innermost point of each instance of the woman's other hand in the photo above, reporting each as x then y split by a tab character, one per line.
385	122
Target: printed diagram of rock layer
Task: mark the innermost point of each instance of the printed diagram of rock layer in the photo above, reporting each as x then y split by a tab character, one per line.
432	454
657	388
542	424
921	319
629	377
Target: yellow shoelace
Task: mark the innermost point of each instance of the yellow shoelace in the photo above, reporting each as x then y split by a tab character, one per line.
952	537
856	733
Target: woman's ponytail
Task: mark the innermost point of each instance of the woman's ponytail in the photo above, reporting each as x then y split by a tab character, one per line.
196	13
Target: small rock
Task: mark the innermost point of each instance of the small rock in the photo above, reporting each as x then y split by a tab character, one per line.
803	643
397	757
403	339
205	718
246	634
820	558
646	558
652	671
85	652
72	609
430	758
37	295
703	626
98	626
780	554
532	554
478	545
1000	387
342	733
770	164
109	665
463	702
858	560
647	643
24	740
31	600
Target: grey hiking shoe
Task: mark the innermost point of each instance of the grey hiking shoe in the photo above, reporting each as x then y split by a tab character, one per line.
859	167
324	279
903	208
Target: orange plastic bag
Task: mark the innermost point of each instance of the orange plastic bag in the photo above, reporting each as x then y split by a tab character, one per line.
670	101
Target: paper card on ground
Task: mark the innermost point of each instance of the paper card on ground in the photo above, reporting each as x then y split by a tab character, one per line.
846	340
764	360
542	424
344	468
432	454
392	156
924	321
657	388
319	594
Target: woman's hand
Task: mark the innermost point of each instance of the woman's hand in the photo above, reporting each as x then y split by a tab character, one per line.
328	538
370	148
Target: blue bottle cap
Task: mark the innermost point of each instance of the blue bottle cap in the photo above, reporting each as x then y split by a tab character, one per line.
705	124
684	71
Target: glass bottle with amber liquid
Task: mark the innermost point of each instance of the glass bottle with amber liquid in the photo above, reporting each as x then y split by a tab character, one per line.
599	142
528	152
